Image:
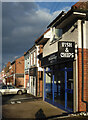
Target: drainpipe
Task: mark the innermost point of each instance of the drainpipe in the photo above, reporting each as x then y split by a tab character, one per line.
83	66
15	73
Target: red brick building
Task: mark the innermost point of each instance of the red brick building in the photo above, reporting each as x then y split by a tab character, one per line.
15	72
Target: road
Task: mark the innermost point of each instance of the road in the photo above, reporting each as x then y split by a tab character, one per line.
11	99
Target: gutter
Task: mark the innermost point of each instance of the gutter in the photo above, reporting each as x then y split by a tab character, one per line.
70	12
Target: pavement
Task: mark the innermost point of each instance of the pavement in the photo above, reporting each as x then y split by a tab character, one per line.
33	110
28	107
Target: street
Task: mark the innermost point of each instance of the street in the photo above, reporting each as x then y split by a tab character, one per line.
12	99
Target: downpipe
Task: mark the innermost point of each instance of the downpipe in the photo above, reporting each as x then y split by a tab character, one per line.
82	22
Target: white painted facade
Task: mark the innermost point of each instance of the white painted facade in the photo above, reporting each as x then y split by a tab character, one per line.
50	48
34	64
26	66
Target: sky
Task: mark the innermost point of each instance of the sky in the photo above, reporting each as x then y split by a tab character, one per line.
24	22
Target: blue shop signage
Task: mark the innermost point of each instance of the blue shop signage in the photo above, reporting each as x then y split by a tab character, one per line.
66	49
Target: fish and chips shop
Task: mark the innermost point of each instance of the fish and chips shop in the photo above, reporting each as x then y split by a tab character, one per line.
58	76
65	60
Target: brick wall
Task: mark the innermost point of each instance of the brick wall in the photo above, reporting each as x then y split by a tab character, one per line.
40	48
26	80
39	84
20	81
82	105
40	77
13	68
20	65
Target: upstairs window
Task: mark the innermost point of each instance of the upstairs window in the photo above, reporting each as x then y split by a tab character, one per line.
55	34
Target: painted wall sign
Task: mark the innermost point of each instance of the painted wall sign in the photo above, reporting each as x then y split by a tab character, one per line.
66	49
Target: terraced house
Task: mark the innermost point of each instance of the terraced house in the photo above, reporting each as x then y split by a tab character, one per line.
33	71
14	72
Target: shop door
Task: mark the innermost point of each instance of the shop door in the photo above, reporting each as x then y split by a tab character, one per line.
63	88
34	86
68	88
59	87
31	85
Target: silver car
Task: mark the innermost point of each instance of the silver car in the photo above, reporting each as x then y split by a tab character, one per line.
9	89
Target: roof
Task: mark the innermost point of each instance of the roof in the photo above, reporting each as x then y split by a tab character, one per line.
81	7
39	39
56	19
25	53
12	62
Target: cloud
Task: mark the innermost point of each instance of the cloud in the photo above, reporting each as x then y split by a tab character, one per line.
22	24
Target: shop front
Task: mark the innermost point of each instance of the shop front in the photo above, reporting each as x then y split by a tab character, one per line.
58	76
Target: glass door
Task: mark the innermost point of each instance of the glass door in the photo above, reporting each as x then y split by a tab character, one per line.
59	87
70	89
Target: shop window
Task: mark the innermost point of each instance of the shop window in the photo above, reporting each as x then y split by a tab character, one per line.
49	85
34	58
31	59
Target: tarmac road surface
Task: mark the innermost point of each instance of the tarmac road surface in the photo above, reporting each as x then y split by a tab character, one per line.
8	99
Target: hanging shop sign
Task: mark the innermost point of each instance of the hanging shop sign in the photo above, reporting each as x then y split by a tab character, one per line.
66	49
50	59
26	72
33	71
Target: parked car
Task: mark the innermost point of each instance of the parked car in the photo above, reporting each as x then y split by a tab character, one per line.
9	89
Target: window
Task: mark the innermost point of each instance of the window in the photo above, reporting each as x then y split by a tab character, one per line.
58	33
31	58
4	87
55	34
34	58
52	36
11	87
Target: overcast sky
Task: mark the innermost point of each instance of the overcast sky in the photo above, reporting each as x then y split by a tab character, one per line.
23	23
